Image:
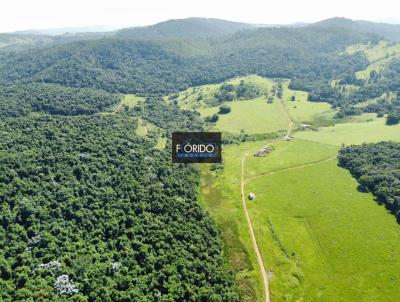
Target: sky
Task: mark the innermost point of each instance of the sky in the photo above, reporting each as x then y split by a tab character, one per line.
44	14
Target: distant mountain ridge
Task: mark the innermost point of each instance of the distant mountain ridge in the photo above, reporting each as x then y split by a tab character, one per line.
388	31
177	54
184	28
190	28
180	29
67	30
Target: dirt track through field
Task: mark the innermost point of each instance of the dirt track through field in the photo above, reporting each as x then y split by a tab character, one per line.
290	118
243	181
291	168
252	235
289	131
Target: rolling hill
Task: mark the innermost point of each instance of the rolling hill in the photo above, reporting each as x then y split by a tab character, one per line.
388	31
126	65
190	28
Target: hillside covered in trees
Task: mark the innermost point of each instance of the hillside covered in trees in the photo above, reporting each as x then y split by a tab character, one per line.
383	86
161	66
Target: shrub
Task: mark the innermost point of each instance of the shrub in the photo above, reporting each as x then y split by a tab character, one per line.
224	109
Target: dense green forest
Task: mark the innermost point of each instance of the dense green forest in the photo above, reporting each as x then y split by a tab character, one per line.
19	100
101	217
377	169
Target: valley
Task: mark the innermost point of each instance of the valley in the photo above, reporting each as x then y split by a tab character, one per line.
311	225
305	205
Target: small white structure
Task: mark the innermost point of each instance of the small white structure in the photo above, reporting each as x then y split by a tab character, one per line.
252	196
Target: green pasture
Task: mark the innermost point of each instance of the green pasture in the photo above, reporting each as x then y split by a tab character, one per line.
353	133
323	240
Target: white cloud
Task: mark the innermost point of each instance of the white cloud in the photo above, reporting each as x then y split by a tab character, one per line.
28	14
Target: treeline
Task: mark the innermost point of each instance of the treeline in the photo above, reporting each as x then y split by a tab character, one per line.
168	116
101	217
243	91
377	169
20	100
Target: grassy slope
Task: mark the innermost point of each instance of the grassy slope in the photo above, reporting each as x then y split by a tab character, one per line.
302	110
286	155
220	196
256	115
131	100
379	56
141	129
253	116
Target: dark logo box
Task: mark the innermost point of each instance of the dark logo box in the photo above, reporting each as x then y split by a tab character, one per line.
196	147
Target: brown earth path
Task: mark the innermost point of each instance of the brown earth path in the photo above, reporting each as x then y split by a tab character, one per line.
252	235
248	219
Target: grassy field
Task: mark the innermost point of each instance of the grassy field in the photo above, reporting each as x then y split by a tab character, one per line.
220	196
321	239
286	155
131	100
353	133
303	111
253	116
141	129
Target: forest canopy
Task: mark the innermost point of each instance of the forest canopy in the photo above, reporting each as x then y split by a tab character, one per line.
21	100
101	217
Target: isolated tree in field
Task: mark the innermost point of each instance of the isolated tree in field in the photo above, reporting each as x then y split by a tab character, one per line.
393	118
224	109
212	118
